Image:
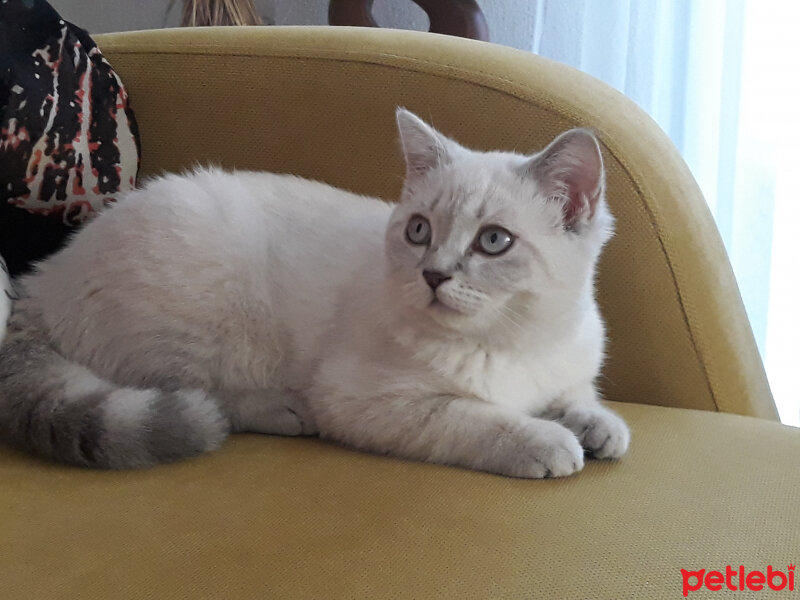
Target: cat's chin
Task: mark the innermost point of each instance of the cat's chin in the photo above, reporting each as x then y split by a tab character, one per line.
449	317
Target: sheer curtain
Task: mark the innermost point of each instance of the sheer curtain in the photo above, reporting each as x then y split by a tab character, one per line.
722	78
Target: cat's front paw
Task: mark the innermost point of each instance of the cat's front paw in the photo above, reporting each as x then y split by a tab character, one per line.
601	432
543	449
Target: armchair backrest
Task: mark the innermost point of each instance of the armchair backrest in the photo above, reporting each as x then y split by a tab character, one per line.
319	102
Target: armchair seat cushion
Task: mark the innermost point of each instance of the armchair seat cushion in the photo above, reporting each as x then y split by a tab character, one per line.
270	517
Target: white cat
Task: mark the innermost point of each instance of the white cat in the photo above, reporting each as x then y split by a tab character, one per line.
457	327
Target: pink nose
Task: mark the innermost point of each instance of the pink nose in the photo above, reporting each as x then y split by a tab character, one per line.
434	278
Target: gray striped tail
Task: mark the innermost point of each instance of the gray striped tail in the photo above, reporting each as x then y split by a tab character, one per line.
58	409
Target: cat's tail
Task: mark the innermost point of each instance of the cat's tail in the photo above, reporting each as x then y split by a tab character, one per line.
60	410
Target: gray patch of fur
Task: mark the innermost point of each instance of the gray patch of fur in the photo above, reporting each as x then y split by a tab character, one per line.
39	414
174	429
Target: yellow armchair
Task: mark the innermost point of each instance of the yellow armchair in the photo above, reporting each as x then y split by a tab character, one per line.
270	517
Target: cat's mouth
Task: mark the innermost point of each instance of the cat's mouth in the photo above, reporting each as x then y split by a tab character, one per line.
438	305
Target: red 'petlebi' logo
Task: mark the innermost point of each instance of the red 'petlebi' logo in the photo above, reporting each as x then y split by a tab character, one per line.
738	579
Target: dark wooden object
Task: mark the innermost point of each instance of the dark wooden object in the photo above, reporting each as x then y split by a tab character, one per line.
463	18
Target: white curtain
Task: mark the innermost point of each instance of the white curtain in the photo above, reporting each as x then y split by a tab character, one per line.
722	78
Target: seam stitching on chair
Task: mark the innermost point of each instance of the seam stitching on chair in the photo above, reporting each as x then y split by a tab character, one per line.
359	57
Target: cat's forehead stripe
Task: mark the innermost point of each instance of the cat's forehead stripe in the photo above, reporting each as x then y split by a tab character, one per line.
490	195
459	198
481	212
474	199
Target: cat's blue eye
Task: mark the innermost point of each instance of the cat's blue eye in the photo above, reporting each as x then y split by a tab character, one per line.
418	230
493	240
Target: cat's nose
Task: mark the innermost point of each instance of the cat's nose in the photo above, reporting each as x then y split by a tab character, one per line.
435	278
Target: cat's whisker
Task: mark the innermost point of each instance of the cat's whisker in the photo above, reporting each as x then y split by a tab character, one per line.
507	320
506	310
510	321
518	317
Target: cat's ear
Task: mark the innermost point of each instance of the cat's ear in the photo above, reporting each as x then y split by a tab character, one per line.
424	148
570	171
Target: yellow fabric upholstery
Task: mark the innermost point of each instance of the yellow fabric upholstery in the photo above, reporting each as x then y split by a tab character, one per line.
270	517
290	518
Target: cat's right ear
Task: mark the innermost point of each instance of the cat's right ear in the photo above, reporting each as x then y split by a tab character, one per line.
424	148
570	171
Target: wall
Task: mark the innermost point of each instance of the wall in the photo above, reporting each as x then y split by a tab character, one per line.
511	22
102	16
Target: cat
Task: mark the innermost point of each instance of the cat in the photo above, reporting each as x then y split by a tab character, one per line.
458	326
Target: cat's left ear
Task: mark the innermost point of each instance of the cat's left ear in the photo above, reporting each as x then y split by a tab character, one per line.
570	171
424	148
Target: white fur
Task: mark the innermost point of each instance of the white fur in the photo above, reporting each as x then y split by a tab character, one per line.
245	284
6	294
77	383
127	410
